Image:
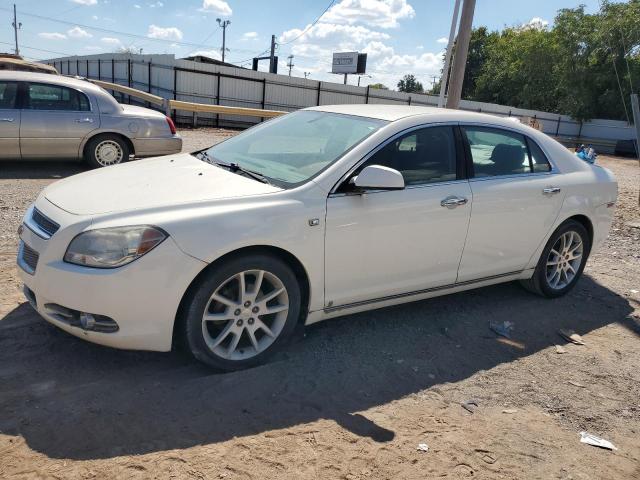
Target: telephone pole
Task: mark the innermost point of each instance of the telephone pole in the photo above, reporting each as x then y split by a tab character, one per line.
223	24
272	59
290	64
16	27
447	58
462	50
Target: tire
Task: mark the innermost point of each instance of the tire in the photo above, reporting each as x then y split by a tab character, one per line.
240	321
105	150
548	280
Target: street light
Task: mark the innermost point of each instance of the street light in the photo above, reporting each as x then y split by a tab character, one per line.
223	24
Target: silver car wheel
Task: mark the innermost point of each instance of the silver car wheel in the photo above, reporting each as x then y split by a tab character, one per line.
108	152
245	315
564	260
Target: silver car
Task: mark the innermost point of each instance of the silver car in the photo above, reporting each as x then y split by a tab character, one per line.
47	117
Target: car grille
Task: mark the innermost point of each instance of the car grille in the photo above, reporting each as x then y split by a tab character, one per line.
45	224
30	257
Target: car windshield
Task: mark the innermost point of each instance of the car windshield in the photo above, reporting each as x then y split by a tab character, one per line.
291	149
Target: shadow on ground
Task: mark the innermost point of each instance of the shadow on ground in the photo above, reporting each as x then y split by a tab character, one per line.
40	170
72	399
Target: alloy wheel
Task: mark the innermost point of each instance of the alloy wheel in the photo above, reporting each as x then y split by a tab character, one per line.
245	315
564	260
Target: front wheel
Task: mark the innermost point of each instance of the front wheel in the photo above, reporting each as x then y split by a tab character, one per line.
562	261
241	312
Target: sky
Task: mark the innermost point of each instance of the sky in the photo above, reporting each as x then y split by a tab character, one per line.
399	36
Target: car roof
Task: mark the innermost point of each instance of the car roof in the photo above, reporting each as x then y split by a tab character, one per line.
47	78
396	112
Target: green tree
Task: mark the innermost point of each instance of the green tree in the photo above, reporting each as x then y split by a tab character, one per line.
409	84
379	86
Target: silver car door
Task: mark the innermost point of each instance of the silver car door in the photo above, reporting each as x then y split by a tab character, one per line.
9	121
55	120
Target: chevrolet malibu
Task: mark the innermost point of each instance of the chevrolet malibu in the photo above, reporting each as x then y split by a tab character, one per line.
320	213
50	117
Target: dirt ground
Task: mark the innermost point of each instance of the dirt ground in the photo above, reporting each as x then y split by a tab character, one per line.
351	398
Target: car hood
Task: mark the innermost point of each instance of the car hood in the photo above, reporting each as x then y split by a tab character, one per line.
155	182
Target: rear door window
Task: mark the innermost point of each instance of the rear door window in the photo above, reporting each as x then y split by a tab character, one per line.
497	152
539	160
41	96
8	95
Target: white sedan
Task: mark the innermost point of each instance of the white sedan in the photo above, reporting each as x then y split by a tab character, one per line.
320	213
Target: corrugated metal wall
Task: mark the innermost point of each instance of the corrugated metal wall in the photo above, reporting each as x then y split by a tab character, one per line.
218	85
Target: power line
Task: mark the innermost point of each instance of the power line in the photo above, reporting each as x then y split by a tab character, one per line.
113	32
312	25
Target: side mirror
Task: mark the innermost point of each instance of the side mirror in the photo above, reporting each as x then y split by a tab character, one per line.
377	177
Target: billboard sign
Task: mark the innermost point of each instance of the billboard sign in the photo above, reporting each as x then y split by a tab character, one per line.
349	62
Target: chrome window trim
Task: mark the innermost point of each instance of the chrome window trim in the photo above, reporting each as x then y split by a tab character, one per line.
380	146
554	168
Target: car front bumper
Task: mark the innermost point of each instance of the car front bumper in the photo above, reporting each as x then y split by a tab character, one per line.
141	297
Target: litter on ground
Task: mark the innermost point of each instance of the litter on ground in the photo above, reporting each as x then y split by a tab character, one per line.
596	441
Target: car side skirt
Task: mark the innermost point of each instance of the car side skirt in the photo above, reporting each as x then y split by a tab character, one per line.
339	310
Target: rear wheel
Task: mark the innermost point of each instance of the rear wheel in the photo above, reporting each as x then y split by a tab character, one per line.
241	312
105	150
562	261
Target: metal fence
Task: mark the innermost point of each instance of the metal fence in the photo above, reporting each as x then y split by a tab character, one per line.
185	80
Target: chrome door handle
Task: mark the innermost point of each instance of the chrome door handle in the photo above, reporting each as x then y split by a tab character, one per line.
551	190
6	119
84	120
453	202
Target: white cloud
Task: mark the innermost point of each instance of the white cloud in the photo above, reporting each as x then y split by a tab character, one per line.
377	13
85	2
137	6
168	33
536	23
77	32
111	41
94	17
443	40
219	7
52	35
250	35
156	5
324	38
93	48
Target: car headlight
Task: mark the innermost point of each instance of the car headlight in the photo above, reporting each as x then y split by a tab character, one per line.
113	247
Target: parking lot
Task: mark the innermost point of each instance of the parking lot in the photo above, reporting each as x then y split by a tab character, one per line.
349	398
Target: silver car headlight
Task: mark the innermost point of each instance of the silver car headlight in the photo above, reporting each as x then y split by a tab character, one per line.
113	247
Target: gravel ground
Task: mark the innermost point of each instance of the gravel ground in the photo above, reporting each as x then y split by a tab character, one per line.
350	398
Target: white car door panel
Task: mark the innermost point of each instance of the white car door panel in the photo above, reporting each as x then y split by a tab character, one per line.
388	243
516	199
394	242
510	217
9	122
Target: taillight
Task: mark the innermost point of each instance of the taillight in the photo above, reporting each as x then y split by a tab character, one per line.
172	125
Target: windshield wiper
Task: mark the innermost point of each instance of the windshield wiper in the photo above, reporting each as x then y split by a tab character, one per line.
234	167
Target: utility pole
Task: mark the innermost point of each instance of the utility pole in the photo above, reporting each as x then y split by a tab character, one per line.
272	59
345	78
16	27
290	64
447	58
462	50
224	24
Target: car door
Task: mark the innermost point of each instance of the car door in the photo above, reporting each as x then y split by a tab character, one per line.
9	121
385	243
55	120
516	200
